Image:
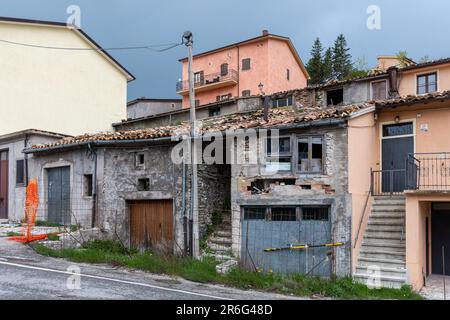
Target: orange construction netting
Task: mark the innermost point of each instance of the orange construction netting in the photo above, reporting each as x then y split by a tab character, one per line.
31	206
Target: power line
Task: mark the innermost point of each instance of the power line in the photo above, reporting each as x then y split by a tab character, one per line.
167	46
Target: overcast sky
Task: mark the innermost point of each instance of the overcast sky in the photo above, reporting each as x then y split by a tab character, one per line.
420	27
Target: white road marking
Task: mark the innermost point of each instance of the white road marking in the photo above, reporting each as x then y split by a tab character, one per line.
115	280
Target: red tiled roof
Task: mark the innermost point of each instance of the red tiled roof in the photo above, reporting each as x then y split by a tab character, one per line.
277	118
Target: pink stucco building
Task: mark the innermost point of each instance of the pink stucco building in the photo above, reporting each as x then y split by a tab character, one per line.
238	69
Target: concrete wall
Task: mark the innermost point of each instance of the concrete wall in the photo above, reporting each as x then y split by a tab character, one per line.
329	188
175	118
361	139
71	92
16	192
145	108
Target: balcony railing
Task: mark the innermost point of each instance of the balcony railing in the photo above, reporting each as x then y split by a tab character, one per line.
212	79
429	171
423	171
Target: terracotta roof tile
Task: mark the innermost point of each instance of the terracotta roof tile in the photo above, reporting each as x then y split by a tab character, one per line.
277	117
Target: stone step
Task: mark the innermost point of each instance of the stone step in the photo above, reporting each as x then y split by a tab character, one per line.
388	209
385	227
385	234
223	233
219	248
389	263
383	271
383	237
393	282
218	257
386	216
384	244
383	222
220	240
389	198
382	254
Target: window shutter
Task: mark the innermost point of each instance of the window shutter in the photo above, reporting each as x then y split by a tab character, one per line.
224	69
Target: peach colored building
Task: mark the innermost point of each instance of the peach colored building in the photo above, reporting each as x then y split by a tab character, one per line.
238	69
399	161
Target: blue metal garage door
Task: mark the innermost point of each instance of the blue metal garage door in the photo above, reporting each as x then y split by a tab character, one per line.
279	228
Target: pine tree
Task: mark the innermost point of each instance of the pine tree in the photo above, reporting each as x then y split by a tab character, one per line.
315	64
328	65
342	59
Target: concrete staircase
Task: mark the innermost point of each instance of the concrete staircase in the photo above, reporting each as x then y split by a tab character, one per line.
383	247
219	245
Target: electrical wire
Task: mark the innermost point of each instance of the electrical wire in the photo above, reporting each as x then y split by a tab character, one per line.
167	46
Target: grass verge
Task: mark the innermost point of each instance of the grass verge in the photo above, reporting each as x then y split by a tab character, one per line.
204	271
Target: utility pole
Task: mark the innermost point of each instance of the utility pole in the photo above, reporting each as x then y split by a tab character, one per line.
193	212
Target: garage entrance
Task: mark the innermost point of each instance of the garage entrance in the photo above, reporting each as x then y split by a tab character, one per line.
440	238
151	225
279	228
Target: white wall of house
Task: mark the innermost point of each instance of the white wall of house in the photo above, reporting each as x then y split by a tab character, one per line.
70	92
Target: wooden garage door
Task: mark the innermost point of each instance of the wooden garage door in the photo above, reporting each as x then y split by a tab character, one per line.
151	224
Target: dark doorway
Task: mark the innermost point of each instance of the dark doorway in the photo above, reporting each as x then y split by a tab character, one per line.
427	245
59	195
395	152
440	233
4	168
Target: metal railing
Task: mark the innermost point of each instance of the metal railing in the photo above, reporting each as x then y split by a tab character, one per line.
429	171
209	79
388	182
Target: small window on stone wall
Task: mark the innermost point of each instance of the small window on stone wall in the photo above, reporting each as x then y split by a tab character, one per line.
143	184
87	185
140	160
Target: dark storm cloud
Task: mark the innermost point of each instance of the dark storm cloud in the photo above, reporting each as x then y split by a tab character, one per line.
419	27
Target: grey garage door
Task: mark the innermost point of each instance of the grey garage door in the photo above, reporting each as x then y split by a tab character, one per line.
58	192
275	228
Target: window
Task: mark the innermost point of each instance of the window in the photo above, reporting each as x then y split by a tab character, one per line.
140	160
255	213
197	102
224	97
246	93
199	78
282	102
223	69
400	129
427	83
335	97
279	157
283	214
310	154
290	213
87	185
379	90
315	213
288	74
214	111
246	64
143	184
20	171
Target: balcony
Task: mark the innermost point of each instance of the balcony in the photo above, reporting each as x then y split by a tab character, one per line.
208	82
423	172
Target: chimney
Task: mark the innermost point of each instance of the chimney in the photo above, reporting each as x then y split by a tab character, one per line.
265	32
393	84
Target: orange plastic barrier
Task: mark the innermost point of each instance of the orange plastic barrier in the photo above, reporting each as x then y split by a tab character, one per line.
31	206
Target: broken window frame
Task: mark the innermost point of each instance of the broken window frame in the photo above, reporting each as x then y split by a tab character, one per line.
279	103
269	157
88	185
373	92
334	90
138	157
20	174
310	154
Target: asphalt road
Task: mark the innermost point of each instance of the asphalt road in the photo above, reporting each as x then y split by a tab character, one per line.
24	274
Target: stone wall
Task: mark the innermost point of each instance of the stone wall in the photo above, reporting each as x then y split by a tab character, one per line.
329	188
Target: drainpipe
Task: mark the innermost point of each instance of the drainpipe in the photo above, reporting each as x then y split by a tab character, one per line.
94	185
26	159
